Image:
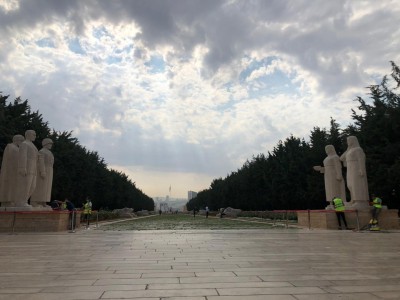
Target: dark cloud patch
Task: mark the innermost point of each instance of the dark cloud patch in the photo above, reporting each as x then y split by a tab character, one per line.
32	13
171	22
230	29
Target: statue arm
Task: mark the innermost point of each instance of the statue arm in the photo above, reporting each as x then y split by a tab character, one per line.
343	158
319	169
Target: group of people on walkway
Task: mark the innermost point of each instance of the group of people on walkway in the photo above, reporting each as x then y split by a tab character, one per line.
68	205
340	208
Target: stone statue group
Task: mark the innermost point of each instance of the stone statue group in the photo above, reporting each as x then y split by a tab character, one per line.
26	173
356	176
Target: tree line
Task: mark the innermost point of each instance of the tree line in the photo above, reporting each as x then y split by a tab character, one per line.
78	172
284	178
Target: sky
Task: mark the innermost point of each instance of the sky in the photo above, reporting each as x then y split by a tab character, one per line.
176	93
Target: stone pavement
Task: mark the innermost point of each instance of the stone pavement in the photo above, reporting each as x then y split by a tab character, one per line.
276	264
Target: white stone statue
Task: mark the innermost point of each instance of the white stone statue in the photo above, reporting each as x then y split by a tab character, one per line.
9	172
354	160
332	170
27	169
44	181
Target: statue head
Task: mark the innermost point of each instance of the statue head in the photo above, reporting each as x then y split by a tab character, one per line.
30	135
47	142
330	150
352	141
18	139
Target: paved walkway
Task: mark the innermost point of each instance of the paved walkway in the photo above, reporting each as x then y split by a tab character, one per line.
200	265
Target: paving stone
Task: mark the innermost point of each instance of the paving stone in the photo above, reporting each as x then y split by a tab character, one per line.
387	295
367	288
215	274
369	282
256	297
171	274
159	293
355	296
96	288
180	298
312	283
210	285
199	265
52	296
43	283
220	279
118	281
19	290
269	291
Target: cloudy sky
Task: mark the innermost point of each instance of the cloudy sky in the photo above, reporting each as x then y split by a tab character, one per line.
179	92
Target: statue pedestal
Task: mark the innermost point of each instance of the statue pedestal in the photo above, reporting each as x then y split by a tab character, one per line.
15	208
36	221
360	205
25	208
326	219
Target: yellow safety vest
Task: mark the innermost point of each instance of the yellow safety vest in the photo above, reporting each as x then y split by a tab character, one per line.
377	202
87	209
339	205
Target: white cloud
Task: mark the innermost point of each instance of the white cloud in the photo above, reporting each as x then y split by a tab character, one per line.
159	88
9	5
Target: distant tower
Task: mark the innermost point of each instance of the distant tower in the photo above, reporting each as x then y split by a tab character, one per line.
191	195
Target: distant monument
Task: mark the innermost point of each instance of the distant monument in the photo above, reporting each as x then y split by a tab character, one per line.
27	169
9	172
332	170
354	160
44	181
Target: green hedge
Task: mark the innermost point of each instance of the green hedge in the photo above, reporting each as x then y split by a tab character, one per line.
268	215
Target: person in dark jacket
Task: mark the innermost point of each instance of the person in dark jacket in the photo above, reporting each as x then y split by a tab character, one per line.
72	215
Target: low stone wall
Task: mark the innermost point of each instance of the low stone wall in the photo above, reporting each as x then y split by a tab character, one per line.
388	219
36	221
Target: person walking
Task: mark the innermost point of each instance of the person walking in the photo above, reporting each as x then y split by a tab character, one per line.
72	215
339	210
87	211
376	209
207	211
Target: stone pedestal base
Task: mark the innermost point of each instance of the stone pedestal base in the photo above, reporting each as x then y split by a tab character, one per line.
25	208
36	221
388	219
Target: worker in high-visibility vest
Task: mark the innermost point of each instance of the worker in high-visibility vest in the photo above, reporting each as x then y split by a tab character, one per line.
63	205
87	211
339	210
376	209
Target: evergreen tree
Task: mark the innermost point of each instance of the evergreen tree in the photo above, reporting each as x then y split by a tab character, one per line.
284	179
78	173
